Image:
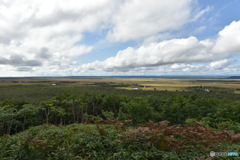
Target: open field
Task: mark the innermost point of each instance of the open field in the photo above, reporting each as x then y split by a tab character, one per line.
38	89
196	82
128	83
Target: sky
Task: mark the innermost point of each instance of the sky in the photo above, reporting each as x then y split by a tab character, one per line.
119	37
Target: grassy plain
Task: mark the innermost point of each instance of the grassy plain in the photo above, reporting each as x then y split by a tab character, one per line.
45	88
151	82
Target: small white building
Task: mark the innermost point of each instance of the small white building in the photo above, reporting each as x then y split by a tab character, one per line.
135	88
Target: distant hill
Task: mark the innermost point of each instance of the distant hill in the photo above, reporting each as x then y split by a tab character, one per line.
234	77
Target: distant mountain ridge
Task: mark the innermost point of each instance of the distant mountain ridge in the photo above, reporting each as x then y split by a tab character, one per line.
234	77
136	76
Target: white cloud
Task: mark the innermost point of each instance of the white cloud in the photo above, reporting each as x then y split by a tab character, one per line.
198	67
42	37
51	31
200	13
216	65
155	54
48	34
186	50
140	19
228	40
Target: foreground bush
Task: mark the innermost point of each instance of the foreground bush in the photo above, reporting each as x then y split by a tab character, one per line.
116	141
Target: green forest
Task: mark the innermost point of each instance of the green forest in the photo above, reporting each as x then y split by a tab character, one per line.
100	122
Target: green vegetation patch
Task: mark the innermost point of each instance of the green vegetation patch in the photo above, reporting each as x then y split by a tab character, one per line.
116	141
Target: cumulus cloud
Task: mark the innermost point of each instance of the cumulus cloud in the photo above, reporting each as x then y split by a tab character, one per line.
228	40
45	37
43	53
48	33
216	65
186	67
198	67
166	52
188	50
140	19
24	69
17	60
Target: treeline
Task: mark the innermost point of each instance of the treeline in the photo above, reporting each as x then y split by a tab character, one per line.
18	115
